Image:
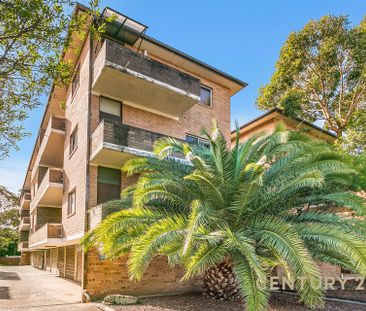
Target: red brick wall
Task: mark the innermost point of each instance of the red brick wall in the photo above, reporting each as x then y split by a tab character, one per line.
107	276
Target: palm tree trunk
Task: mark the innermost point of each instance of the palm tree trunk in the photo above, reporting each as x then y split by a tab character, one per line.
219	282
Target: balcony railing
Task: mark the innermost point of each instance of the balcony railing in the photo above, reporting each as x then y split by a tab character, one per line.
128	136
49	192
25	201
22	246
144	82
48	235
24	223
113	143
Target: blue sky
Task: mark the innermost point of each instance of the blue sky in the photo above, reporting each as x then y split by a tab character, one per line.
242	38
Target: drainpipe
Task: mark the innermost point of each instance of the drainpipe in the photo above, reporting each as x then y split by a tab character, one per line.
86	295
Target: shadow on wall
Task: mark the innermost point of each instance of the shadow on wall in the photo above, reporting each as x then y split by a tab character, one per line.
4	292
9	276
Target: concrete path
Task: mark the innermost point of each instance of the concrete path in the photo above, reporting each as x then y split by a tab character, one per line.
27	288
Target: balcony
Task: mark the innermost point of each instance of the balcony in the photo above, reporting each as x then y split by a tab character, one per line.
23	246
24	224
51	144
100	212
142	82
48	235
25	201
112	144
49	192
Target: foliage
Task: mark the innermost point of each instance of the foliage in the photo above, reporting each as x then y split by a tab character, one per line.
9	222
321	76
360	179
33	35
265	202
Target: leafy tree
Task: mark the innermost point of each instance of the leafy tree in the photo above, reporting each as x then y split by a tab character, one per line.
239	213
321	76
33	35
9	222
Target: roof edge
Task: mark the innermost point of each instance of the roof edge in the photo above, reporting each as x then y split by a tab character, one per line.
282	113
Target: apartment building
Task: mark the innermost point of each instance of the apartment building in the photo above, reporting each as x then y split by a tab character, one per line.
267	122
128	90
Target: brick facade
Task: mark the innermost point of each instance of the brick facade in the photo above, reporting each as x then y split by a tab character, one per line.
111	276
75	163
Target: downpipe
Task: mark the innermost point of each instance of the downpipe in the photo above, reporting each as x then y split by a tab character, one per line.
86	295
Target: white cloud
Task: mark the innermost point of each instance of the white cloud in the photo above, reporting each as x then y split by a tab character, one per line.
12	173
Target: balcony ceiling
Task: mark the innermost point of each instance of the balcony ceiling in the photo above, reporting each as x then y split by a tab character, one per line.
25	205
143	93
111	157
52	154
52	196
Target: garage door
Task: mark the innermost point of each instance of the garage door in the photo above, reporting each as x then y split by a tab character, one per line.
79	266
54	260
70	262
60	261
48	260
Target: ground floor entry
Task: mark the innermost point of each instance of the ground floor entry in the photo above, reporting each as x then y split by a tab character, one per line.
64	261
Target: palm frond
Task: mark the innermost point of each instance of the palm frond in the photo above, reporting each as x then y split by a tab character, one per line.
163	232
256	295
285	241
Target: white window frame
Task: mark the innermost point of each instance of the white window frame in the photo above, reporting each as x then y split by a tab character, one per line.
71	202
74	140
200	140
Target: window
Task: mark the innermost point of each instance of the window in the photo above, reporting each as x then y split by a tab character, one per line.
206	96
194	140
75	81
33	223
109	109
109	184
74	140
71	203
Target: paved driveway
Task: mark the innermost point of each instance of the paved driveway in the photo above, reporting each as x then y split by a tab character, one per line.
27	288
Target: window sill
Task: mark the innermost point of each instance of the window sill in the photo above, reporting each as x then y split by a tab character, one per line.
70	215
205	106
72	153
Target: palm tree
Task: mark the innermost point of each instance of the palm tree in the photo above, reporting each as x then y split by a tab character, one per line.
232	215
